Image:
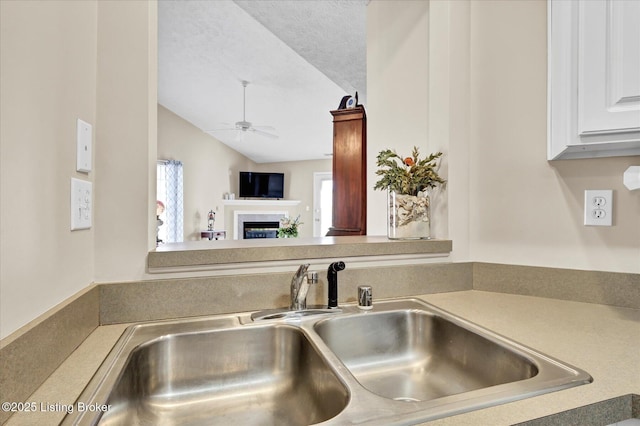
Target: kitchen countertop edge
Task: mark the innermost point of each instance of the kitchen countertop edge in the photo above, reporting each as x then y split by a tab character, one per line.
595	338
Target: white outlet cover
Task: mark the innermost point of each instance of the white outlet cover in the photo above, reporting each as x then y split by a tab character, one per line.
84	136
81	204
598	207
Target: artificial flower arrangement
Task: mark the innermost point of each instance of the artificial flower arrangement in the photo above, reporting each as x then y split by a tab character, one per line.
407	180
408	175
289	228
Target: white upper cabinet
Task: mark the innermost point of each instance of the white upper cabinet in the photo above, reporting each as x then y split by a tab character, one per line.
594	78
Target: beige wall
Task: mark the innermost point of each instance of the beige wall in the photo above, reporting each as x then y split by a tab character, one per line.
486	73
211	169
63	60
125	139
96	60
299	186
46	85
397	90
524	209
449	109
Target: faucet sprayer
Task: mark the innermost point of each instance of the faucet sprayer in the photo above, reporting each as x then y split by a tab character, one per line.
332	279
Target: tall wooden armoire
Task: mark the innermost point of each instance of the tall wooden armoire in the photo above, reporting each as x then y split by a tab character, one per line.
349	172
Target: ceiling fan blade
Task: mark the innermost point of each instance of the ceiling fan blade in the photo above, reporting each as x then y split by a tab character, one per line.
262	133
241	127
265	128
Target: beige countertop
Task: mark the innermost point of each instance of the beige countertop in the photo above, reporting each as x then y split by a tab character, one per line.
603	340
198	254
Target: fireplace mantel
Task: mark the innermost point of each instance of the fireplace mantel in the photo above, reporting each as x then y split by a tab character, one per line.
260	202
255	210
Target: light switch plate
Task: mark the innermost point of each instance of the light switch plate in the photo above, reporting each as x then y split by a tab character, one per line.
81	204
83	139
598	207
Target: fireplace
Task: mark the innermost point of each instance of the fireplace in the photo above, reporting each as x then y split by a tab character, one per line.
262	220
260	230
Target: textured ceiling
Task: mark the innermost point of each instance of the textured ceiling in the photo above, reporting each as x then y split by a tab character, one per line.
299	56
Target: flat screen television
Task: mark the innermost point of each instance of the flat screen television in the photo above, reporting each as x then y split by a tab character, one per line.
261	185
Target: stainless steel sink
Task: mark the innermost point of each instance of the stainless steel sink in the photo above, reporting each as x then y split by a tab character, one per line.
412	355
287	314
402	363
240	376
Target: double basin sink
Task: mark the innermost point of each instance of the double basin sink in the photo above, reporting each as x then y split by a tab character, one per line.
402	363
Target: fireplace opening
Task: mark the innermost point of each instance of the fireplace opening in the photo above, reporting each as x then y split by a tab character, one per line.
260	230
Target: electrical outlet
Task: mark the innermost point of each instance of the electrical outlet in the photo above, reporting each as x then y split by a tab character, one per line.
81	204
598	207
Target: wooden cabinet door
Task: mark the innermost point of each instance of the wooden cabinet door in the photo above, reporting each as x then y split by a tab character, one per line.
349	172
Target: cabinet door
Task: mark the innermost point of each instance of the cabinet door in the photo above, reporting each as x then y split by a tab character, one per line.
349	172
609	66
594	78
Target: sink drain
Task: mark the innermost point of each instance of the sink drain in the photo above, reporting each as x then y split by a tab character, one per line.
406	399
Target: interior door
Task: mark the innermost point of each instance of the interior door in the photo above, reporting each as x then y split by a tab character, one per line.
322	203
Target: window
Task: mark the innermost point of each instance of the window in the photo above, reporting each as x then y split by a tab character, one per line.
170	202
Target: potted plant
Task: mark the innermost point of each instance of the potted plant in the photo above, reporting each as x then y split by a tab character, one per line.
408	181
289	228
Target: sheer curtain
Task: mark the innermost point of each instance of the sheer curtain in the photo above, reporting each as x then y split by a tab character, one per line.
170	194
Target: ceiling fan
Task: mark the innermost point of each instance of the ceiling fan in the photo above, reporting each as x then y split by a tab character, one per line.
244	125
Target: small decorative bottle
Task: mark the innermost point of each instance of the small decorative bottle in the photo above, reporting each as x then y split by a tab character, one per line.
211	221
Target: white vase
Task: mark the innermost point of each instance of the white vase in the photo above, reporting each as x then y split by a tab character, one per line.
409	216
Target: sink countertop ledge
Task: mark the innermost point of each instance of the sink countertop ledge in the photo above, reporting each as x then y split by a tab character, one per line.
602	340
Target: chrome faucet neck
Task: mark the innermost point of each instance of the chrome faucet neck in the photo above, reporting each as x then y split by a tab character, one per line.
297	284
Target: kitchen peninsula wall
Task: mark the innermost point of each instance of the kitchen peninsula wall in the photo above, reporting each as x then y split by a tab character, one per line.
495	157
480	96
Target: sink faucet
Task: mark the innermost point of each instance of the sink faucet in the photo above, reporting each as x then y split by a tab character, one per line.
332	279
300	287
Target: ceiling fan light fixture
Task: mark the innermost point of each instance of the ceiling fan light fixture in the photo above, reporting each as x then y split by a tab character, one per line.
245	125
